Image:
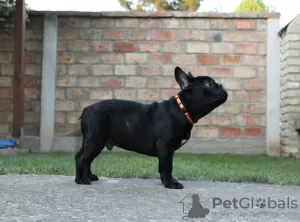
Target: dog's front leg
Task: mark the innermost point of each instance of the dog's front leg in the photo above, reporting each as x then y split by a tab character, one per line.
165	165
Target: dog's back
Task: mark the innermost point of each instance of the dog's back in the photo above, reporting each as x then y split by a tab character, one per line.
124	123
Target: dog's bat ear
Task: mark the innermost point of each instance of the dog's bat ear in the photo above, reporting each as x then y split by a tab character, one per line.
190	74
182	79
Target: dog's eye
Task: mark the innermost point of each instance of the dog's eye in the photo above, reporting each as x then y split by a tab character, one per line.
209	84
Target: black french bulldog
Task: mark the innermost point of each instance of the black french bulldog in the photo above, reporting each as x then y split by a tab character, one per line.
156	129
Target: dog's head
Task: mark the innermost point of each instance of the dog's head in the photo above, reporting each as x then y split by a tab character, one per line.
201	94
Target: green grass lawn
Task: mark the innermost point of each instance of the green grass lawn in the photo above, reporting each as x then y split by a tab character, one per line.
232	168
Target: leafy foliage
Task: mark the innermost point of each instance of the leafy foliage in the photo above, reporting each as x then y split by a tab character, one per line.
8	13
254	6
160	5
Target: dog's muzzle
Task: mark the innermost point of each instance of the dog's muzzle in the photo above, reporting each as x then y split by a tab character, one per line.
221	92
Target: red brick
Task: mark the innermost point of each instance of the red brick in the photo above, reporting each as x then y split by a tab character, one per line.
204	121
31	130
246	96
5	58
136	58
174	47
88	58
90	34
255	84
146	23
82	104
65	33
65	129
231	60
79	22
221	48
88	82
246	48
101	23
65	57
32	81
167	93
60	94
148	94
208	60
232	83
127	22
5	105
196	70
248	120
114	34
28	58
125	94
4	129
111	82
160	58
255	60
159	82
78	93
8	45
6	81
73	117
234	36
256	37
245	24
262	72
164	35
148	47
206	132
112	58
222	120
254	108
137	34
135	81
245	72
31	117
31	94
183	59
254	132
66	81
5	117
150	70
64	105
229	108
262	96
230	132
124	47
101	94
220	72
6	93
101	46
187	35
62	46
221	24
60	117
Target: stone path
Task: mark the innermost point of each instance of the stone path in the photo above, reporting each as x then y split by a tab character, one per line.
58	198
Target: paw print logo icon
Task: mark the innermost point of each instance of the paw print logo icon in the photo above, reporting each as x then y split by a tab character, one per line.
261	203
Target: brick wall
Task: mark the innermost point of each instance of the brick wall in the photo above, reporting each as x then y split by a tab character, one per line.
32	78
134	58
290	84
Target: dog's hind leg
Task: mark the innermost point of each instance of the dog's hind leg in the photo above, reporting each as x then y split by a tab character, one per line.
92	148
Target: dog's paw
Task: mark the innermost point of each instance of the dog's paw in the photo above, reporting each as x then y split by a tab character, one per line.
86	181
174	185
93	177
